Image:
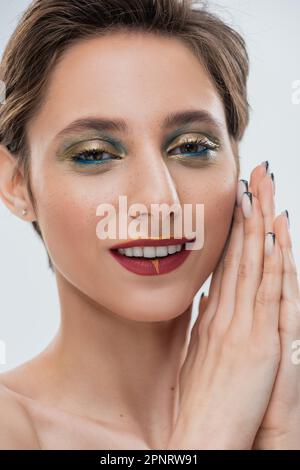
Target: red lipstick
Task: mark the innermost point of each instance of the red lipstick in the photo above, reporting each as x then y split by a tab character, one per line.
152	242
152	266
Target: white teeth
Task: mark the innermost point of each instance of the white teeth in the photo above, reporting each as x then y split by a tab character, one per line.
150	251
128	251
161	251
137	251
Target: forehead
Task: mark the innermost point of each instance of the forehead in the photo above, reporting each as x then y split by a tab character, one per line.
138	76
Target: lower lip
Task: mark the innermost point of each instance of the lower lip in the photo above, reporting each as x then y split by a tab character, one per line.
145	267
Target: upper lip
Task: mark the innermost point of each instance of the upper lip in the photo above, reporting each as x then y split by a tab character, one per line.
152	242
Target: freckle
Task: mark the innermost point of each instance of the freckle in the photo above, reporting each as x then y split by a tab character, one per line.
121	416
172	388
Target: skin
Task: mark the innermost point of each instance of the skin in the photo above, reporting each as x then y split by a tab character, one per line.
231	331
85	384
280	428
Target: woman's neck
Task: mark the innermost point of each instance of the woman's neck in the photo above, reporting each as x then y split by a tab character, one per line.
114	369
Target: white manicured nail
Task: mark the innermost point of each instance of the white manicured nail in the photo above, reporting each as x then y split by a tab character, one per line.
242	187
269	243
286	213
273	180
247	204
267	166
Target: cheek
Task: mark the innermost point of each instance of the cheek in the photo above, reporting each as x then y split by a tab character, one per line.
218	216
67	217
219	205
217	192
67	227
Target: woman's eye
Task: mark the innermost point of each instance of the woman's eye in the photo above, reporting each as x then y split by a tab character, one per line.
190	147
93	156
195	147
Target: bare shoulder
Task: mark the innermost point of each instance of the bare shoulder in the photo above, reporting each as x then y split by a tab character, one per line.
17	430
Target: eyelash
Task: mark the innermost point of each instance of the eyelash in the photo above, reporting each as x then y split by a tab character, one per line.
188	141
208	147
92	153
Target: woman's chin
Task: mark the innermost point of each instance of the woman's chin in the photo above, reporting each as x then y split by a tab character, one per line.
156	309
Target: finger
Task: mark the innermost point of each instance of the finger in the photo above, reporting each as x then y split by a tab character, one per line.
241	188
212	301
265	194
213	297
194	330
289	313
204	302
256	176
267	302
251	263
202	321
290	275
224	313
290	296
194	336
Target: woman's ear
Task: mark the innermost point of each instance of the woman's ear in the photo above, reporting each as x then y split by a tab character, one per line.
13	191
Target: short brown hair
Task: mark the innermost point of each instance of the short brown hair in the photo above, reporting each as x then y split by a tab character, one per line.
48	27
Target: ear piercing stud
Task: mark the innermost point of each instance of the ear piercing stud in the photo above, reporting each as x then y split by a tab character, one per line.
24	212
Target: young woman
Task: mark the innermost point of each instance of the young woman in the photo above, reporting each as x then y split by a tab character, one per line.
146	99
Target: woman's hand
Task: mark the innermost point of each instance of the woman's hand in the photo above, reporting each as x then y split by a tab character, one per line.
280	428
229	371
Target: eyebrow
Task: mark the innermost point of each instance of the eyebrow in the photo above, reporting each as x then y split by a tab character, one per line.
179	118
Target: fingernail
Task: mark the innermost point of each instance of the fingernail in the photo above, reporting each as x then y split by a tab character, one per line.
201	297
242	187
269	243
273	179
247	204
267	166
287	216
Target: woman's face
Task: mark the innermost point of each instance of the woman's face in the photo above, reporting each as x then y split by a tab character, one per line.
139	79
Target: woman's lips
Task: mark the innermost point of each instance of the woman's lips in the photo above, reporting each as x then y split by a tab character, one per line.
153	242
150	267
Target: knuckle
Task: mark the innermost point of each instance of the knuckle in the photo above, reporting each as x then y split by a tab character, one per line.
250	228
246	269
266	296
271	268
215	330
231	259
293	304
291	269
273	265
232	340
211	330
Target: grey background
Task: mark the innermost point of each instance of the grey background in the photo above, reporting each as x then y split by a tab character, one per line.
29	308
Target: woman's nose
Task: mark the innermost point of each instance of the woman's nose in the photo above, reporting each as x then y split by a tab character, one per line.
150	184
